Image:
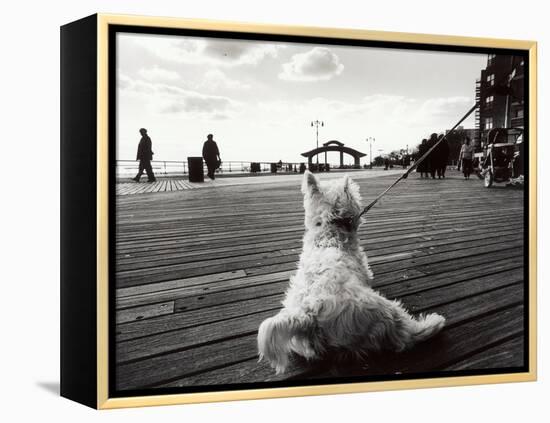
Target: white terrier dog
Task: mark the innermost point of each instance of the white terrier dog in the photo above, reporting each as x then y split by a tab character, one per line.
329	306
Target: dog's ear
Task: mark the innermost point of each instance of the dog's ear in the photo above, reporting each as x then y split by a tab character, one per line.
347	182
351	188
310	184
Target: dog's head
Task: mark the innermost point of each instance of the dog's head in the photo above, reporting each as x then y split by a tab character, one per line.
331	207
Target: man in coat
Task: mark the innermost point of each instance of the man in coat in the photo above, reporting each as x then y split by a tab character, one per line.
211	155
443	157
423	166
145	155
432	158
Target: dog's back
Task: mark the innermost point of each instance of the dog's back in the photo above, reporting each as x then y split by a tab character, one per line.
329	305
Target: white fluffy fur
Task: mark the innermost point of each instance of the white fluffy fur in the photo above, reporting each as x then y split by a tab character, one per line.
329	305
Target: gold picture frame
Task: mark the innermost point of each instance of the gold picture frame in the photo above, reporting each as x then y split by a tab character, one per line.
98	26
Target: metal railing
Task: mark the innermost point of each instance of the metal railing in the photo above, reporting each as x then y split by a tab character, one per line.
129	168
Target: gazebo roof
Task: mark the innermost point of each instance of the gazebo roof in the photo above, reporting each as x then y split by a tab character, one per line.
333	142
340	148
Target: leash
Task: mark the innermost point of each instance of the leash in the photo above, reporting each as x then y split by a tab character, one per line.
417	162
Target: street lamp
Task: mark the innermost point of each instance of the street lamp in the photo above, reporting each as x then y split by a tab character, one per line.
317	123
370	140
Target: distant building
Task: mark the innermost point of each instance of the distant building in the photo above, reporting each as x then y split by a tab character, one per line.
471	133
500	93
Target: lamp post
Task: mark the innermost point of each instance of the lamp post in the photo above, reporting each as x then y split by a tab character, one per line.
370	140
317	123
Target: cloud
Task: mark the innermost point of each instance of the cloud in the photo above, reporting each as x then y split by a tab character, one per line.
157	74
447	106
215	79
123	82
197	103
232	52
318	64
206	51
169	99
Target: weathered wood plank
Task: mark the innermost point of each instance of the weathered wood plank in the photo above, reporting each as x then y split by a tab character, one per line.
462	272
372	246
178	283
252	262
252	212
144	312
217	313
454	342
193	336
505	355
211	315
251	370
211	235
167	341
404	283
423	300
271	242
445	261
201	289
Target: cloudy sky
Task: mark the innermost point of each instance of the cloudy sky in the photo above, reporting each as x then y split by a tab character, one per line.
259	98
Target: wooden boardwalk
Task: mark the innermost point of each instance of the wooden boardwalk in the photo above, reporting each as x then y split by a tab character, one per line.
198	270
129	187
180	183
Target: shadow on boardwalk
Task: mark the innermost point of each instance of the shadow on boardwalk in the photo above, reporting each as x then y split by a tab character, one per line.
197	272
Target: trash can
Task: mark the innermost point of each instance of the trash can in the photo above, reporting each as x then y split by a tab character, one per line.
196	172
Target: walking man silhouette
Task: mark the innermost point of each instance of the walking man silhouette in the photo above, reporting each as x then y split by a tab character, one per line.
211	155
145	155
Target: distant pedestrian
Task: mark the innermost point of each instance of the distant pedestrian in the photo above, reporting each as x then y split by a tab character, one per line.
465	158
145	155
441	156
432	158
211	155
423	165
